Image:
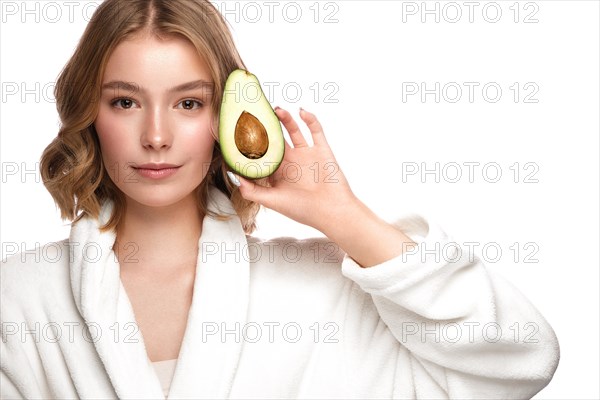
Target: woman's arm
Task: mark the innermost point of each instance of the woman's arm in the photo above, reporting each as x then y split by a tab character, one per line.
469	333
465	332
364	236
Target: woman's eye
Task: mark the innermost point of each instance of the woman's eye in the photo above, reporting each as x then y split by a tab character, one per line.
189	104
123	103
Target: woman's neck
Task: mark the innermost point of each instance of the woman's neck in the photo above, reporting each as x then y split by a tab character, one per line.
155	238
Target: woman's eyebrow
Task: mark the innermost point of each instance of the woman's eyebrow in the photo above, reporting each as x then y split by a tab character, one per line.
199	84
132	87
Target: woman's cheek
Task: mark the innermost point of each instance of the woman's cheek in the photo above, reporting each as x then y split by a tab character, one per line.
114	134
199	139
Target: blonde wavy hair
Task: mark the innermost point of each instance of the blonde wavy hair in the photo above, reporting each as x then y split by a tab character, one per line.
71	166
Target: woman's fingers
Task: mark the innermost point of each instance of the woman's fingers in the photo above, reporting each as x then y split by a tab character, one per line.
314	126
292	127
296	136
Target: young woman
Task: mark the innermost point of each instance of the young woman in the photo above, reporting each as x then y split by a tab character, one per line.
161	291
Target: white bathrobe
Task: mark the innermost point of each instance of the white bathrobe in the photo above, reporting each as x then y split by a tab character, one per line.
275	319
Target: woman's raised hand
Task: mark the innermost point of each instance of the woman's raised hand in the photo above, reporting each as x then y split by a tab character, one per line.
309	186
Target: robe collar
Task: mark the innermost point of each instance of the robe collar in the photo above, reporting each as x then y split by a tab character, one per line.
207	360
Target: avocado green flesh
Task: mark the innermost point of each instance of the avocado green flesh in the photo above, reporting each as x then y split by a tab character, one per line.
250	134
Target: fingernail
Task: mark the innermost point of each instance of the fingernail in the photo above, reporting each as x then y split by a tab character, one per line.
233	178
277	108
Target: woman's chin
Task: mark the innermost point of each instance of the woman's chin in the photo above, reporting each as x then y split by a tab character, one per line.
160	200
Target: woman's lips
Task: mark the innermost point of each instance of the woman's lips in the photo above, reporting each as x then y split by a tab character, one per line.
156	171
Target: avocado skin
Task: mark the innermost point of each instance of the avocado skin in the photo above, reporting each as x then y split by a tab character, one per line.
243	93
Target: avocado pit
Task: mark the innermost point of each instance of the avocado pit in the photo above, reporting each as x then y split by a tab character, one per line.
251	136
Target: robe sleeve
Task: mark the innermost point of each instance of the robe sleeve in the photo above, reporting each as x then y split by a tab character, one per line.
467	332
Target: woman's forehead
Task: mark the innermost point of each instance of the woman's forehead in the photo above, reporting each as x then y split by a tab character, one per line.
157	62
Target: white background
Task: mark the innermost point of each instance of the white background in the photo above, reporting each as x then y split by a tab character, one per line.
367	53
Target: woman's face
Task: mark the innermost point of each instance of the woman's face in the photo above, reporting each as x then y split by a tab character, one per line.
154	120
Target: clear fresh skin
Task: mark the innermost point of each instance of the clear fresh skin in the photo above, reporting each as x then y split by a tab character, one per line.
157	145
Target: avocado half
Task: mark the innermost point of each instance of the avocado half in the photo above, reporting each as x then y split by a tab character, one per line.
250	133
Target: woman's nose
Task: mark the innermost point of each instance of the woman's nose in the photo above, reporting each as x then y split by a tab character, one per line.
156	133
